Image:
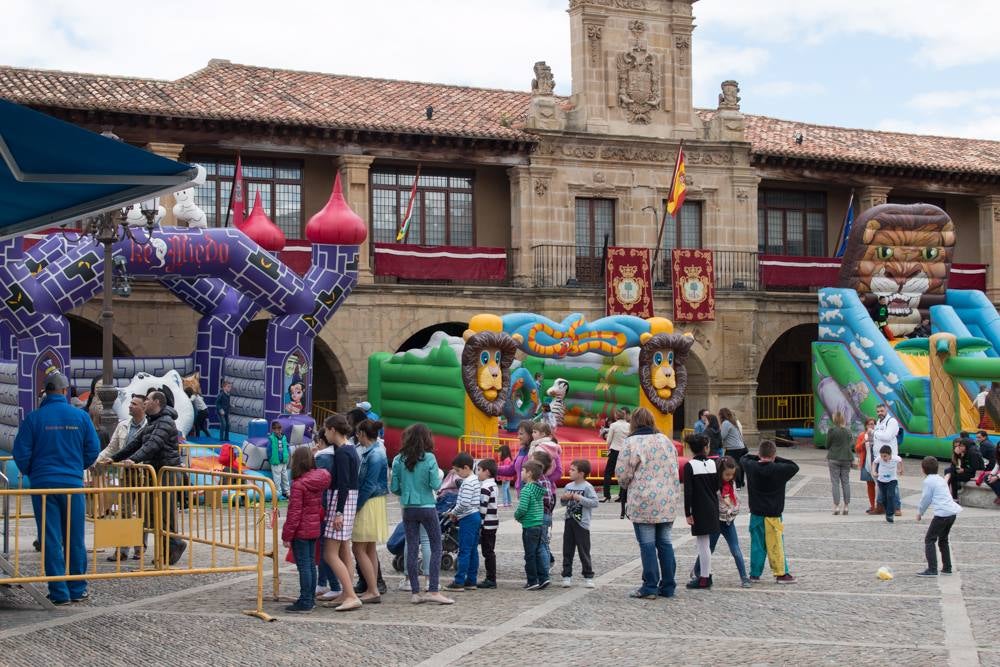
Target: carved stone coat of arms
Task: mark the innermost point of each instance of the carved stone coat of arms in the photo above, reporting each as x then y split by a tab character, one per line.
638	84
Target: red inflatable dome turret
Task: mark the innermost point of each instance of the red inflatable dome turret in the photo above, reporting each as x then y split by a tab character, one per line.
261	230
336	223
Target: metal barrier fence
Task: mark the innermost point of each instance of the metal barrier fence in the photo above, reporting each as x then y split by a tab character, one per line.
485	447
186	449
119	526
323	409
784	408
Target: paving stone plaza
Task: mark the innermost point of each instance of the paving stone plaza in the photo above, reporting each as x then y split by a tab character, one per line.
838	613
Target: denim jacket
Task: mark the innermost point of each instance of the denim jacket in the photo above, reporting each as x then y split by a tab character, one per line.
374	475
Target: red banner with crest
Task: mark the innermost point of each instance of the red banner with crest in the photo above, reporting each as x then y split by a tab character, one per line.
694	285
626	282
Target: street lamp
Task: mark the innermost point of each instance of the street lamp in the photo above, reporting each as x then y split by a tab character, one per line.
108	229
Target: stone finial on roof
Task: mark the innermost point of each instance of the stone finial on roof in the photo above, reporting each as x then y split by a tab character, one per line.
336	223
543	83
729	98
259	228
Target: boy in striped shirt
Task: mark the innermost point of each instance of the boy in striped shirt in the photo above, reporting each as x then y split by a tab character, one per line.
529	515
466	513
486	470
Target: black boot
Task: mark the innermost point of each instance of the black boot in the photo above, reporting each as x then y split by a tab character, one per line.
382	588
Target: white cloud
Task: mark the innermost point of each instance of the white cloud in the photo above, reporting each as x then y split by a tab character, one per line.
713	63
980	127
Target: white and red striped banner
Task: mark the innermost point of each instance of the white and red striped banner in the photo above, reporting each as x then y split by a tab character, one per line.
440	262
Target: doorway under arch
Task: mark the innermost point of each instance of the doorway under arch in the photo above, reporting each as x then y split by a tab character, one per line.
329	378
253	340
695	397
86	339
421	338
786	368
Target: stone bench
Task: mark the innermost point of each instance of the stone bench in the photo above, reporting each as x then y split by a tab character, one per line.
971	495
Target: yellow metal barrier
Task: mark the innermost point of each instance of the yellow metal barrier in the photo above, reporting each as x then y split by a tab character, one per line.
250	490
485	447
232	534
186	449
323	409
784	408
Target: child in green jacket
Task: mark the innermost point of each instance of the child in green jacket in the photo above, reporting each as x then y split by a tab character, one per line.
278	456
530	514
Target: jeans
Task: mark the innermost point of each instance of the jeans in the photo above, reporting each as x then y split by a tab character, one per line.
547	538
938	533
505	493
280	476
224	427
879	500
728	531
305	560
576	538
425	553
54	530
488	545
413	519
468	549
840	479
658	563
889	491
609	471
536	559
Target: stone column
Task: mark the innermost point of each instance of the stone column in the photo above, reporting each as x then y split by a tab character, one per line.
989	238
354	171
872	195
173	152
521	191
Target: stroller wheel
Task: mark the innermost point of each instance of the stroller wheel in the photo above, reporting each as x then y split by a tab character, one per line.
447	562
397	563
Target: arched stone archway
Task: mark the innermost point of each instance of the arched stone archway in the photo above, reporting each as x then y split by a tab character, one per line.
785	368
695	397
420	338
329	380
87	338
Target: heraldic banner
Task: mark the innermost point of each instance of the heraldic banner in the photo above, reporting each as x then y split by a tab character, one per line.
694	285
627	284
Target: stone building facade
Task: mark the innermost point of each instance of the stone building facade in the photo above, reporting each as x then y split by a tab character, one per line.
543	177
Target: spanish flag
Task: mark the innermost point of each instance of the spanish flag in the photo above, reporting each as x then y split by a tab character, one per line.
678	188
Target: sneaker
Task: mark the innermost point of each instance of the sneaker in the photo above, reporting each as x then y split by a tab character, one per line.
754	580
699	583
322	589
360	587
82	598
589	583
784	579
487	583
927	573
454	586
746	584
944	571
329	595
543	584
404	584
567	582
58	603
639	595
296	609
471	587
530	586
382	588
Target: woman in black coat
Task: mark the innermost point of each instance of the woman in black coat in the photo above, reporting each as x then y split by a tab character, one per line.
714	434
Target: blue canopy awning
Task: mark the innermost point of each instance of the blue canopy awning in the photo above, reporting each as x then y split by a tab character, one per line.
53	172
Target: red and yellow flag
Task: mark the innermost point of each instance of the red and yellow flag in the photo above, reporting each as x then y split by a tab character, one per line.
678	188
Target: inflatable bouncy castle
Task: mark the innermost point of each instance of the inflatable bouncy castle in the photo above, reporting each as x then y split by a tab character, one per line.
505	366
928	381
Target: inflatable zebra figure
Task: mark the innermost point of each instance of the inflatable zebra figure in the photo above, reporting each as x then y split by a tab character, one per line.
557	405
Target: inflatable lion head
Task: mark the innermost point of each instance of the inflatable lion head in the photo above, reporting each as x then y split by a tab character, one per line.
662	369
486	362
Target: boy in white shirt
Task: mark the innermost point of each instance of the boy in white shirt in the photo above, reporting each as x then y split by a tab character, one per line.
937	495
886	470
466	513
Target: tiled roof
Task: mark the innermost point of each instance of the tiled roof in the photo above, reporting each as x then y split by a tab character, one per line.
227	91
772	136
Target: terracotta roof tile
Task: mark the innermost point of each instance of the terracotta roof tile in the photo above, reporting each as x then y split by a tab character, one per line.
227	91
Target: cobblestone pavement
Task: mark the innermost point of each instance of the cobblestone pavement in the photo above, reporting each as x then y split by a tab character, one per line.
837	614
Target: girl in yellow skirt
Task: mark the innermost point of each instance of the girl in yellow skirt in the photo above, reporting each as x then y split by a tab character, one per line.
371	526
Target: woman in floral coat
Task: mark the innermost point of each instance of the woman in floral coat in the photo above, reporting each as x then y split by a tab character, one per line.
647	468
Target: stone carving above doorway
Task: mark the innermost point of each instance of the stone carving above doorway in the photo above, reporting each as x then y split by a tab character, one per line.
638	79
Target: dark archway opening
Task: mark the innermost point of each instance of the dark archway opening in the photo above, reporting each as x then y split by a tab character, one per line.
695	395
422	337
329	379
786	368
253	340
86	339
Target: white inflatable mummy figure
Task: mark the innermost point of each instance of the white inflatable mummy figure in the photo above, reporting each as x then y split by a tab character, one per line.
171	385
187	212
135	218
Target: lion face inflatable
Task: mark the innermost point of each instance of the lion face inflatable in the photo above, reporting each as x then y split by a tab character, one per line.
662	370
489	376
486	362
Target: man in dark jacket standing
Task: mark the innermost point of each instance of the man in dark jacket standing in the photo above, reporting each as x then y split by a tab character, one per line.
54	444
767	475
156	445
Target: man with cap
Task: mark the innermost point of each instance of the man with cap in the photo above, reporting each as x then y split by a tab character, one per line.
55	443
367	407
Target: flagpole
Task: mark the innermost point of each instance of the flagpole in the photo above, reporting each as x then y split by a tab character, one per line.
229	209
663	222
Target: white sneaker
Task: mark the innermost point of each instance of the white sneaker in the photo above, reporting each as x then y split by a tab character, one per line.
567	582
589	583
322	589
404	584
329	595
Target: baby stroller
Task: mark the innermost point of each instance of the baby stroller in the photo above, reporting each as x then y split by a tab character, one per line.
449	532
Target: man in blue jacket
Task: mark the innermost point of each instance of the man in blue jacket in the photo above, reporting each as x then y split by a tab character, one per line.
54	445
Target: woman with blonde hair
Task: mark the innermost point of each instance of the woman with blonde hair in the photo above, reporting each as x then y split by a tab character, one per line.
647	469
839	458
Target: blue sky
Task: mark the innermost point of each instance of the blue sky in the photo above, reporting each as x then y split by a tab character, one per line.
908	65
